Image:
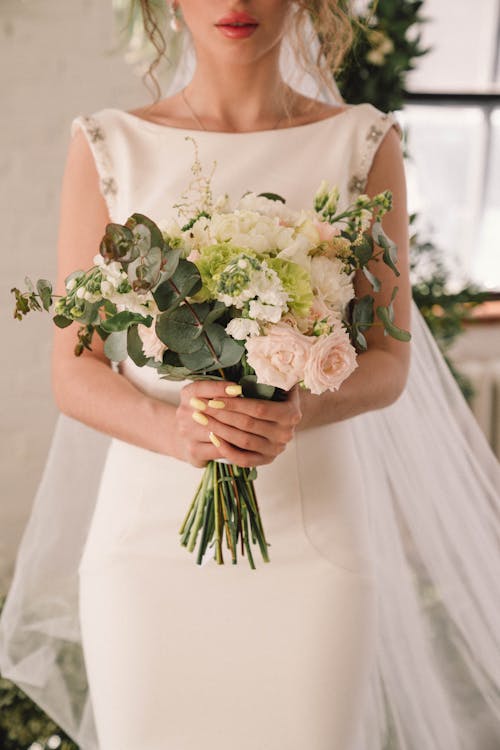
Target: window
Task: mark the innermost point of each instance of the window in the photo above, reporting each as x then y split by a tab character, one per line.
452	116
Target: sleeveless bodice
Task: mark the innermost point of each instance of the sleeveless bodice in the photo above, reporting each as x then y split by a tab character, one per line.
145	167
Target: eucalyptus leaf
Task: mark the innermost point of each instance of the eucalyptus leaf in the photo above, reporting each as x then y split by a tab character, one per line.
134	347
110	308
169	372
218	309
186	281
253	389
29	284
139	222
62	321
122	320
180	330
171	358
75	275
362	313
364	251
231	354
44	289
372	279
118	244
142	238
200	360
206	357
389	327
115	346
361	340
390	251
90	313
149	265
272	197
171	258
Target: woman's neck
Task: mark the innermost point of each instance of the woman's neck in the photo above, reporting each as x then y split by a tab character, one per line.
244	97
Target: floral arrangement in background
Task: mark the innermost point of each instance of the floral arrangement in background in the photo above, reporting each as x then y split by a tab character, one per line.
387	43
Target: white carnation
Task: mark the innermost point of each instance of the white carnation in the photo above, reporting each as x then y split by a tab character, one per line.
298	251
242	328
331	283
268	207
264	312
250	229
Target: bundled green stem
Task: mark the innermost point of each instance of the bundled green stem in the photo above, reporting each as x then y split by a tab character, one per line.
225	506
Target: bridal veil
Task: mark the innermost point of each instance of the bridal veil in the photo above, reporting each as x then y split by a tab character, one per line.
433	486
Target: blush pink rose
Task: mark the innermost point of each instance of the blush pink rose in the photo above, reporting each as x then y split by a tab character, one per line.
331	360
152	346
326	230
318	311
279	357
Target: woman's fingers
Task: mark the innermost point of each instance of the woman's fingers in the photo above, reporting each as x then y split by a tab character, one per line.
212	389
246	459
272	431
201	395
247	441
215	422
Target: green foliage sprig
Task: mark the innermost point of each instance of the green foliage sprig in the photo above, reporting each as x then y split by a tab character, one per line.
376	66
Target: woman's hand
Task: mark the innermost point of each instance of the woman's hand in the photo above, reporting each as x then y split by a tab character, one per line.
214	422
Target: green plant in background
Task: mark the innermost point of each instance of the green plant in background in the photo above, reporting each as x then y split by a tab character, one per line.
375	71
23	725
443	310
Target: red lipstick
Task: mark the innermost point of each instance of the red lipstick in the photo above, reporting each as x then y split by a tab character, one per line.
237	25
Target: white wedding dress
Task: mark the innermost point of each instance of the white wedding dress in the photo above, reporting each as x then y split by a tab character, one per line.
182	656
376	623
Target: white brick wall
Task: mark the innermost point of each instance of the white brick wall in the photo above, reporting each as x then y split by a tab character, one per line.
55	63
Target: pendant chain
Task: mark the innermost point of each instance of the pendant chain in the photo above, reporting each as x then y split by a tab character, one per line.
199	122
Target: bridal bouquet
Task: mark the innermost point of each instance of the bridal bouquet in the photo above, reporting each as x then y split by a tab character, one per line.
255	292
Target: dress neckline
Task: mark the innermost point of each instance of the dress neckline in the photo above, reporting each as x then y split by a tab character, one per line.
158	127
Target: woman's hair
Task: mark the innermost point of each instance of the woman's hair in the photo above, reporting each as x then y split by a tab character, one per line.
320	52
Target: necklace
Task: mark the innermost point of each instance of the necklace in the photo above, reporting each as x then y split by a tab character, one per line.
199	122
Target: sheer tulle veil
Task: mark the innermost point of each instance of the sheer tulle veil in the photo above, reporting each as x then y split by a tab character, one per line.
432	484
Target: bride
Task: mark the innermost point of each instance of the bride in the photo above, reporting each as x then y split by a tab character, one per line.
375	625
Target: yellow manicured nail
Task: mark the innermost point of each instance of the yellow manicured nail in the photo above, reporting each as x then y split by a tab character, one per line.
196	403
214	404
214	439
233	390
200	418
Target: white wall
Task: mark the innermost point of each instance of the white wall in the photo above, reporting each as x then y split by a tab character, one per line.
55	63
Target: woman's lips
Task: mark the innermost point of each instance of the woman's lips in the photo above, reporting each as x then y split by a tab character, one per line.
236	32
237	25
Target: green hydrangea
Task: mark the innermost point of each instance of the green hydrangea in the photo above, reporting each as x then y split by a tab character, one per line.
212	261
296	282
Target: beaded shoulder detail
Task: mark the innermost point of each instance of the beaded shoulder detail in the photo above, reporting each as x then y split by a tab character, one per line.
369	142
96	137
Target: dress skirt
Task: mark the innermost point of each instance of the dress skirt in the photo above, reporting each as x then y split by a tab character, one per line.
181	656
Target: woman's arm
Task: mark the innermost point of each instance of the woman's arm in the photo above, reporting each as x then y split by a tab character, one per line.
89	390
382	371
85	387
